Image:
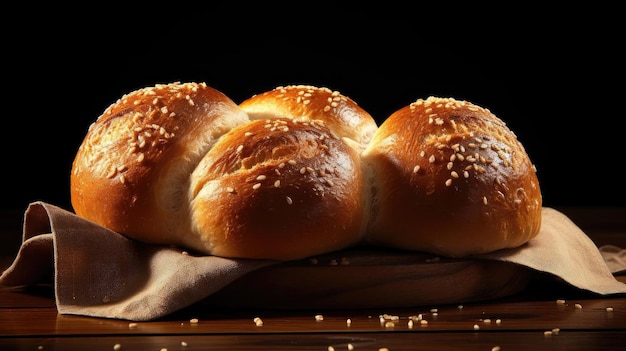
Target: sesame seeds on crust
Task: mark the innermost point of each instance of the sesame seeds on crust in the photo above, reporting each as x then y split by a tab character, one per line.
468	139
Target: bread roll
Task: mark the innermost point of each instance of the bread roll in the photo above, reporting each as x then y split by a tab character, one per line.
131	172
182	164
340	113
278	188
450	178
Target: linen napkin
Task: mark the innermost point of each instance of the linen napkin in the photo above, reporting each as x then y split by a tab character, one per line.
97	272
100	273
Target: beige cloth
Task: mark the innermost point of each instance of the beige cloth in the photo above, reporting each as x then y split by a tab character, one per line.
101	273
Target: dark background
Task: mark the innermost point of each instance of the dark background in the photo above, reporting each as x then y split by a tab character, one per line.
555	76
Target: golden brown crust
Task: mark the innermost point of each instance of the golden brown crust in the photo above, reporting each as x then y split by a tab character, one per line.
449	177
340	113
130	174
278	188
281	176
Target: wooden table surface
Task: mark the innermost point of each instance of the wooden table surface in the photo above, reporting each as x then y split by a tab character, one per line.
546	315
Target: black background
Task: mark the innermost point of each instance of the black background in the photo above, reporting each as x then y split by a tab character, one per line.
555	76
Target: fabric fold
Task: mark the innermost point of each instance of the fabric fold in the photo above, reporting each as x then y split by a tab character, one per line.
100	273
562	249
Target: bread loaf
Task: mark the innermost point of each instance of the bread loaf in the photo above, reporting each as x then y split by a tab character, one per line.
299	170
449	177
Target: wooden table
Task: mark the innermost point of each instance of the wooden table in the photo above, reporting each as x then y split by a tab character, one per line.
545	316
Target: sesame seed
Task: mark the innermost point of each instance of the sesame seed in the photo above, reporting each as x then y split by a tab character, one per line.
319	318
111	173
261	177
256	186
416	169
289	200
448	182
